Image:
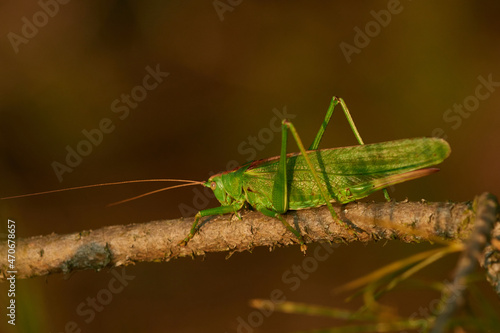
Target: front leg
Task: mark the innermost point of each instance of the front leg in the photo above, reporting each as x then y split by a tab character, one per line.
209	212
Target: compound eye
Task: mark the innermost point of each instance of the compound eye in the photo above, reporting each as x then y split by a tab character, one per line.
213	186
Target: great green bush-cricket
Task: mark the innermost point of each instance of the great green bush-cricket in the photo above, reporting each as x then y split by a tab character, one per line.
313	177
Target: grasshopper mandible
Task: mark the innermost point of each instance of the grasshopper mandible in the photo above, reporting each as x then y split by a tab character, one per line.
313	177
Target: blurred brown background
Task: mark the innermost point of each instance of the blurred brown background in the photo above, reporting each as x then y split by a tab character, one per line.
227	72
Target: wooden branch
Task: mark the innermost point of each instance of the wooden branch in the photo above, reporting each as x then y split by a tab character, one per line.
158	240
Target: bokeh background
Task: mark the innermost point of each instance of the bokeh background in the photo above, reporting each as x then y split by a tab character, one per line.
228	69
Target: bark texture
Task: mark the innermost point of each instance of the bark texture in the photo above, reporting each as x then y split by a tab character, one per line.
159	240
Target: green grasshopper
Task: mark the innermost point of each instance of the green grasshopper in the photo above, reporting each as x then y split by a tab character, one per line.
318	177
313	177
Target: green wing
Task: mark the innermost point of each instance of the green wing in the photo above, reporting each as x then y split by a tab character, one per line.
348	173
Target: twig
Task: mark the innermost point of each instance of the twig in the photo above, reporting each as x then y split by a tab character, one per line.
158	240
487	214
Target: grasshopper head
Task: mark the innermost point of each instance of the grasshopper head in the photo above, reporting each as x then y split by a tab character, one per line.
217	186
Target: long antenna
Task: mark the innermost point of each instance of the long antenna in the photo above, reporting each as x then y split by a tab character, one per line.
190	182
152	192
